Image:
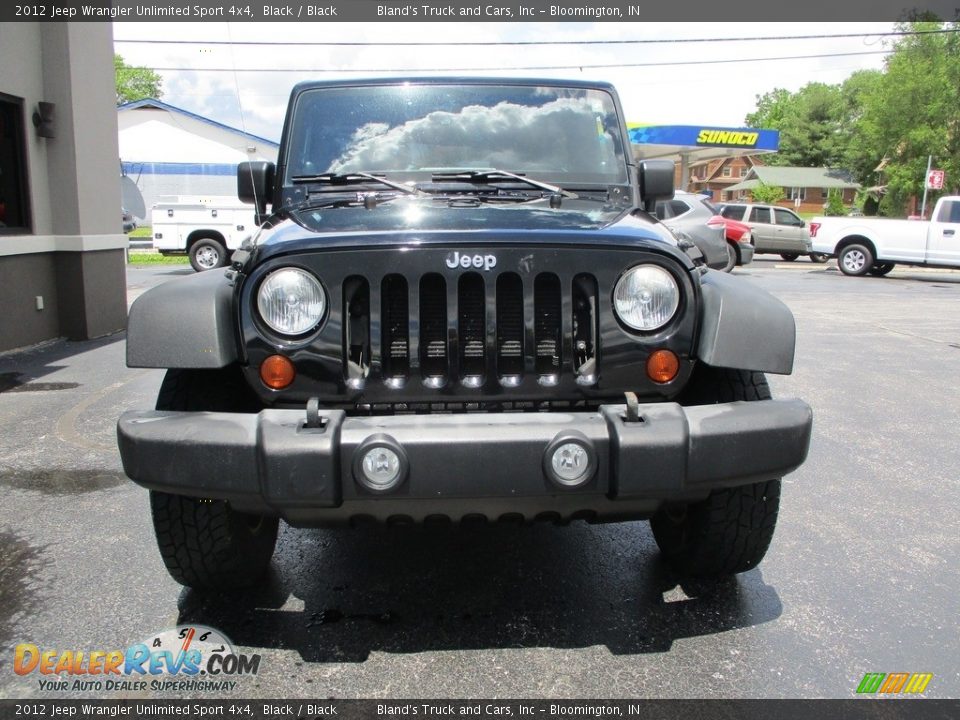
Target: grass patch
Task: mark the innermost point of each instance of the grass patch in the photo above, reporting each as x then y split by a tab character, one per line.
141	233
143	258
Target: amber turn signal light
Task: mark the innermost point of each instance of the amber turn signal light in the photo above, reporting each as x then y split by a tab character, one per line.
663	366
277	372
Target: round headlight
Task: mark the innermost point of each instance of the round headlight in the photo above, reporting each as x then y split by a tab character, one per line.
646	297
291	301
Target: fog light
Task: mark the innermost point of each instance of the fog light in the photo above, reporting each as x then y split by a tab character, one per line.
380	464
570	460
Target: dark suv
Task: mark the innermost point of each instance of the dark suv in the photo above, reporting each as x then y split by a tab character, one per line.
459	307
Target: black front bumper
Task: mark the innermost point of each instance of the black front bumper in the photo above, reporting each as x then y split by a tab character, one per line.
461	465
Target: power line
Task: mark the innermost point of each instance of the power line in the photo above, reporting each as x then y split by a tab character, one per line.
495	43
584	66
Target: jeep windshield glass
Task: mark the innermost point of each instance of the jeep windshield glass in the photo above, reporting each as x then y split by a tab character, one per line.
560	135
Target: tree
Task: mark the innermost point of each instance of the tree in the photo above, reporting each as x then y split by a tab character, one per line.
912	112
135	83
767	194
834	204
810	122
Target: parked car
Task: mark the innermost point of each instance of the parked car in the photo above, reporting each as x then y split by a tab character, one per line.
739	242
775	230
414	336
691	216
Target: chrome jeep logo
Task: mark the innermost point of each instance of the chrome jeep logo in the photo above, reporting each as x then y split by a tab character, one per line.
455	260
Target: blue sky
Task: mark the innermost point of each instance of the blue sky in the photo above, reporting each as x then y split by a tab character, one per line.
692	94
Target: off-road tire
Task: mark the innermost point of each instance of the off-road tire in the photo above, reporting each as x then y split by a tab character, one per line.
789	257
728	532
207	254
206	544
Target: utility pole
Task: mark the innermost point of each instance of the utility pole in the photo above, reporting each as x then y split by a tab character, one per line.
923	205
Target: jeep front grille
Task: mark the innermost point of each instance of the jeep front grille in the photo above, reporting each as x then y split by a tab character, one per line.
485	328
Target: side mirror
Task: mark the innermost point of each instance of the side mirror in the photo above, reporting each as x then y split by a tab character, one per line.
656	182
254	185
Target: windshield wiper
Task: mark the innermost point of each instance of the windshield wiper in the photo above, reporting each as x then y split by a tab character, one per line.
353	178
494	174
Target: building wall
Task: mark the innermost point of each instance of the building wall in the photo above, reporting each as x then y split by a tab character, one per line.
72	253
167	153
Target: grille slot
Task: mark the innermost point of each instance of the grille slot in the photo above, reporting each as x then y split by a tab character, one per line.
356	329
585	329
395	327
509	325
547	312
472	329
433	327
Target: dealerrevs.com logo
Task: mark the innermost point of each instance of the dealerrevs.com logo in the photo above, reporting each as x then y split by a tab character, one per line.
187	658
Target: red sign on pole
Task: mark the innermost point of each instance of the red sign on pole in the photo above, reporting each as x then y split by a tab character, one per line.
935	180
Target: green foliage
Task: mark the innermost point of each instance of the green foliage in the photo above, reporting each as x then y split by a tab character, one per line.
904	113
153	258
809	122
835	206
135	83
767	194
913	111
144	231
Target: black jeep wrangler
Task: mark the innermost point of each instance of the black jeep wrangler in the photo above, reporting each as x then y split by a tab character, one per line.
459	307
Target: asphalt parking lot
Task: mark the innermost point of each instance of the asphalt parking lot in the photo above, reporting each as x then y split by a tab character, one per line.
862	575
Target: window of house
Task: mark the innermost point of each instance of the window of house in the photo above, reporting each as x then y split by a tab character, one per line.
727	171
744	171
795	193
14	205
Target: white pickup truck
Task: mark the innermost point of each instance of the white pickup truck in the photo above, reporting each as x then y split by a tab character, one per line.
205	228
876	245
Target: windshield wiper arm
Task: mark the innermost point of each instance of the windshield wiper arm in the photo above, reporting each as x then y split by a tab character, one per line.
493	174
349	178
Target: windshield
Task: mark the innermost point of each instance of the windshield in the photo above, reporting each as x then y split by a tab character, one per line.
563	135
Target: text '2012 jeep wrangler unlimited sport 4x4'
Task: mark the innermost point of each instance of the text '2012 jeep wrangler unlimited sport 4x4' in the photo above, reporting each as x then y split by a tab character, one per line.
460	306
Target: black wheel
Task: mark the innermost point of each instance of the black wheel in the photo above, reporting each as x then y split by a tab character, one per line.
207	254
728	532
819	258
206	544
732	258
855	260
789	257
881	269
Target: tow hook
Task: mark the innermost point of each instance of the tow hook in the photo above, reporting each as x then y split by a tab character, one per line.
633	408
313	414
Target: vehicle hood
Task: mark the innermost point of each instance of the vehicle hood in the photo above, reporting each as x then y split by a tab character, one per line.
419	221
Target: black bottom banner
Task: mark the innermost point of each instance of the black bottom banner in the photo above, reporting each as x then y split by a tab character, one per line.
868	709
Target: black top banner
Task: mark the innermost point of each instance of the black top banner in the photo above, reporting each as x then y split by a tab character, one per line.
473	11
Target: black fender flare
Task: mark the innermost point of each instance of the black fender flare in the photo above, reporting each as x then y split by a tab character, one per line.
744	327
184	323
